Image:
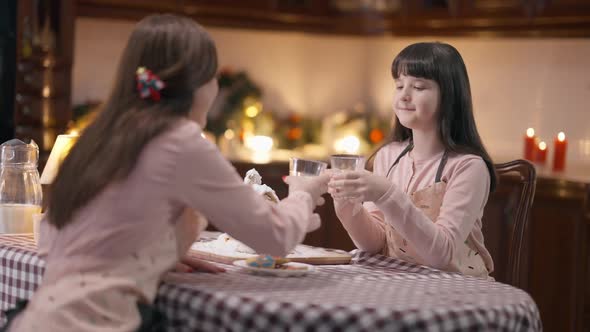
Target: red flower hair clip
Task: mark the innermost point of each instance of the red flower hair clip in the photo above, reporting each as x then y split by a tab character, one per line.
148	84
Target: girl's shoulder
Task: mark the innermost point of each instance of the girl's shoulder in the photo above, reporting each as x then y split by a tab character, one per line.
185	129
391	150
464	159
181	133
387	154
183	137
465	163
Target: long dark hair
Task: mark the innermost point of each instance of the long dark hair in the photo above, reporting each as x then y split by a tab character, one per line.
180	53
443	64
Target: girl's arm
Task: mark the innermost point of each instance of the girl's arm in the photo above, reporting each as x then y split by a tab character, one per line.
188	227
366	228
465	198
207	182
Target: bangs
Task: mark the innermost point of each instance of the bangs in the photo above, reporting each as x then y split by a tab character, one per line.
415	60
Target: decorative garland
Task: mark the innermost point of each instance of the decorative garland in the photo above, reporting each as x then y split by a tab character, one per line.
234	88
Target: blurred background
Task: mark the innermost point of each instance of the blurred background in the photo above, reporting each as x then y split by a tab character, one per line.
314	76
331	60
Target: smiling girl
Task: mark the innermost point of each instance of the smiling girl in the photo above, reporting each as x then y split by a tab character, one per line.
430	183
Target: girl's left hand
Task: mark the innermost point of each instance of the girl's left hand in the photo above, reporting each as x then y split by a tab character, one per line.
190	264
359	185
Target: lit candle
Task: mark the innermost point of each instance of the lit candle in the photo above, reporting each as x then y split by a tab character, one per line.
559	152
348	144
541	153
529	144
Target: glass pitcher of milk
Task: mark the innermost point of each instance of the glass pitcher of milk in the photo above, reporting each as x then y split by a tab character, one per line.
20	188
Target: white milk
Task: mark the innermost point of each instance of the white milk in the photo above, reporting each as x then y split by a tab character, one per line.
17	218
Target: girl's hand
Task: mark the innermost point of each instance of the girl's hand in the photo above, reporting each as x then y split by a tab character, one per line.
361	186
190	264
316	186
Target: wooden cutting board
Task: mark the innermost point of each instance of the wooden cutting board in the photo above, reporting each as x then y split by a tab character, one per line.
204	249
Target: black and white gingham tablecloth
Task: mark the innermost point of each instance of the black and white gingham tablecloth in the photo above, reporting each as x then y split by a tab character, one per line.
374	293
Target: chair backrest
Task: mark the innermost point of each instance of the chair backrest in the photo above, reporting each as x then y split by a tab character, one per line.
505	222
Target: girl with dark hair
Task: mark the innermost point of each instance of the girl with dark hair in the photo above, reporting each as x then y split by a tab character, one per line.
430	183
133	193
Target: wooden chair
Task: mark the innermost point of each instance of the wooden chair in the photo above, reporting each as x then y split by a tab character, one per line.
505	222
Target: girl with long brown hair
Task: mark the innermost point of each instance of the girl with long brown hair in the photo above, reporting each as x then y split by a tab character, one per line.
431	181
134	192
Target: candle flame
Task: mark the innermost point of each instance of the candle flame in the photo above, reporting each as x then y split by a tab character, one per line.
347	144
561	136
542	146
259	143
46	91
530	132
229	134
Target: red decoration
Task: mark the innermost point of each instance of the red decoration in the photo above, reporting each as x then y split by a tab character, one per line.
148	84
560	148
294	133
376	135
530	145
541	153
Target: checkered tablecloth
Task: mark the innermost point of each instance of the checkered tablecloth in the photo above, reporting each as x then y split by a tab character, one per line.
374	293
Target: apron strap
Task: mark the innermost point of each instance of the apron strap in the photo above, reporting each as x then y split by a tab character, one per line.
404	152
441	166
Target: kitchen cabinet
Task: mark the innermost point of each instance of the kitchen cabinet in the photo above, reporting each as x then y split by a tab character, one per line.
515	18
44	58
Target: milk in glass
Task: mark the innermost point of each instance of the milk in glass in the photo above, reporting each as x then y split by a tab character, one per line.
17	218
20	188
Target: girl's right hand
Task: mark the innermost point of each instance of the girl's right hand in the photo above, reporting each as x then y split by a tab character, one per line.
316	186
361	185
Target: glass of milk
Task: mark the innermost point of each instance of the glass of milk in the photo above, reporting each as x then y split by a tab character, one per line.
20	188
306	167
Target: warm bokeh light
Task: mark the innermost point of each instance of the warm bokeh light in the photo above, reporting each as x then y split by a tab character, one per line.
229	134
542	146
530	132
258	143
347	144
252	111
60	150
376	135
561	136
294	133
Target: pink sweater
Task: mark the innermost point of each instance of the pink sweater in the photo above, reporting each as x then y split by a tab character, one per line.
118	246
436	243
178	169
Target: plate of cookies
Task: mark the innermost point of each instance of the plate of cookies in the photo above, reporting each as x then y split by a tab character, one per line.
273	266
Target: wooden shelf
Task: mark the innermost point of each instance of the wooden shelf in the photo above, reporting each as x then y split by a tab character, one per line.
511	18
